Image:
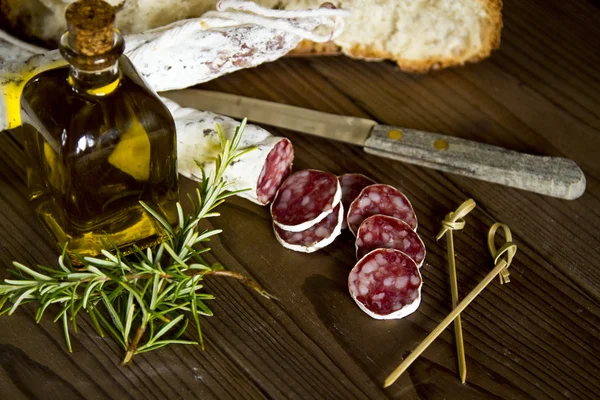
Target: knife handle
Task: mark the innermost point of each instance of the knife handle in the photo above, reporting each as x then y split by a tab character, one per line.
552	176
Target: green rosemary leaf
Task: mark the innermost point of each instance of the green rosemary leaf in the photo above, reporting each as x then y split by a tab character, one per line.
109	328
174	255
101	263
181	330
180	214
160	219
73	297
158	256
3	301
112	312
163	343
165	292
22	297
166	328
92	313
205	310
66	330
88	292
149	256
155	287
129	319
196	319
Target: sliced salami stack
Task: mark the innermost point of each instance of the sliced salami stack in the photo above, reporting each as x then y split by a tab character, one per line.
386	281
307	212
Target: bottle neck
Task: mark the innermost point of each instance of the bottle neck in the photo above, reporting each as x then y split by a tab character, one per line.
95	83
95	75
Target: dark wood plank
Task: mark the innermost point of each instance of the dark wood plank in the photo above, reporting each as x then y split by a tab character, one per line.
534	338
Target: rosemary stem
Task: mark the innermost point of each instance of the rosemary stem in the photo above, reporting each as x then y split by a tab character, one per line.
134	343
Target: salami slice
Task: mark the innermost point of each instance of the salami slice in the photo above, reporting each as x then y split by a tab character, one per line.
382	231
277	167
314	238
380	199
352	184
304	199
386	284
261	170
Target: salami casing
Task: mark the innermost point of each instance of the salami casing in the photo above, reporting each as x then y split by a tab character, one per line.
261	170
352	184
304	199
316	237
386	284
380	199
382	231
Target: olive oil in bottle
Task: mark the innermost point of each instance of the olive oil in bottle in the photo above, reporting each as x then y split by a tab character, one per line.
98	141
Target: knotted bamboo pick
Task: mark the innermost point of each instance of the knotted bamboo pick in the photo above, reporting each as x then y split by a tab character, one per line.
501	267
454	221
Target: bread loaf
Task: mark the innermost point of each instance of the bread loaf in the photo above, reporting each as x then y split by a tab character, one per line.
417	34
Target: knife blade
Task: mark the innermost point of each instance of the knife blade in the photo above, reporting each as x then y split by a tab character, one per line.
553	176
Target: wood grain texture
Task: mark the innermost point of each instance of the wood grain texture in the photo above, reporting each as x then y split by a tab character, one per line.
537	337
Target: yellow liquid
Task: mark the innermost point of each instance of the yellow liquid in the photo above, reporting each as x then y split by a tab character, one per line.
92	158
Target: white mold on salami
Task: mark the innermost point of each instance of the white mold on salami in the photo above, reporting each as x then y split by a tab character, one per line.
352	184
314	238
386	284
380	199
382	231
261	170
304	199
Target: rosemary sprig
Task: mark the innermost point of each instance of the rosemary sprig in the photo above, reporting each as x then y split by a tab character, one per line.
144	300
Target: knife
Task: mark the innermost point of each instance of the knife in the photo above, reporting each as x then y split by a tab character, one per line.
552	176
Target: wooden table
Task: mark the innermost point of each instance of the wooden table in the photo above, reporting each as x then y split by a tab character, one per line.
534	338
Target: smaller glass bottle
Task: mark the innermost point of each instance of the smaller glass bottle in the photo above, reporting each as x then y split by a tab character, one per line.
98	141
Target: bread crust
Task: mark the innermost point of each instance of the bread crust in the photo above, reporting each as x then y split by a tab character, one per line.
491	33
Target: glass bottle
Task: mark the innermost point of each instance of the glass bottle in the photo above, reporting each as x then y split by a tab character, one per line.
98	141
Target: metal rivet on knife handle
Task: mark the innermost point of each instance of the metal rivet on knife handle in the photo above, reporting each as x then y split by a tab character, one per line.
395	134
440	144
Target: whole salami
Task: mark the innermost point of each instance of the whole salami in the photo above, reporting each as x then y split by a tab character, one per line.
304	199
386	284
261	170
380	199
352	184
382	231
314	238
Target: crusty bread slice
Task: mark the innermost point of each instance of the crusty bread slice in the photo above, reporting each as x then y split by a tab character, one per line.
418	34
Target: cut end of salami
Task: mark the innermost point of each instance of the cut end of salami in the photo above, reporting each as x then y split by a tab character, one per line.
380	199
277	167
314	238
386	284
304	199
352	185
382	231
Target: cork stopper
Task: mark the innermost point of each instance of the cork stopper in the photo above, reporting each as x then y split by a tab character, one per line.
91	27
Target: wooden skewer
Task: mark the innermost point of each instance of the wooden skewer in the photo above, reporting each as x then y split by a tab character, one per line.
500	268
454	221
458	335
